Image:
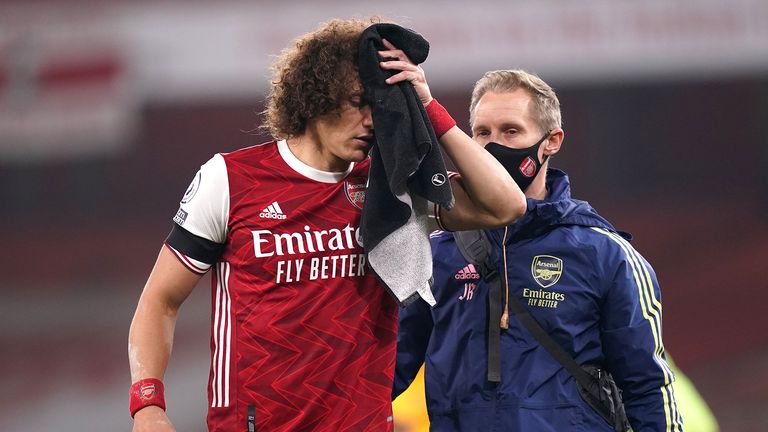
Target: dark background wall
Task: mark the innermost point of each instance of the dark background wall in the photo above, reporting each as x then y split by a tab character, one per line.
681	165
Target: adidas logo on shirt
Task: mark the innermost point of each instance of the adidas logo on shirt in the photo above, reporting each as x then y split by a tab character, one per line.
468	272
273	211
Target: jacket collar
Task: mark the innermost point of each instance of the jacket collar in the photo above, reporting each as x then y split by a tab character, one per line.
557	209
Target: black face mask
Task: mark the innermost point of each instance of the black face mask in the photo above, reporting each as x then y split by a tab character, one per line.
522	164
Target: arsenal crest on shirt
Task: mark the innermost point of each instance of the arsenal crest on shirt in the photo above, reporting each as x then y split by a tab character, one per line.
355	190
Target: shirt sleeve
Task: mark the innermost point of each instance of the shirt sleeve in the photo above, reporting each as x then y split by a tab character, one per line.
200	225
632	339
415	329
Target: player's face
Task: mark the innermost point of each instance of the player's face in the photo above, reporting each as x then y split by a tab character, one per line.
345	136
506	118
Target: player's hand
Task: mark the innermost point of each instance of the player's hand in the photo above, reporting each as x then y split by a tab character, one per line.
152	419
409	71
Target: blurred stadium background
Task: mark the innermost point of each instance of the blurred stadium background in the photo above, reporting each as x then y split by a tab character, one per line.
107	109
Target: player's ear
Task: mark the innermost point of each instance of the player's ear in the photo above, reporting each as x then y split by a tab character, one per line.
551	145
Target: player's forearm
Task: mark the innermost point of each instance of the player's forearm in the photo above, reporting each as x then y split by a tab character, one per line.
488	185
151	334
150	339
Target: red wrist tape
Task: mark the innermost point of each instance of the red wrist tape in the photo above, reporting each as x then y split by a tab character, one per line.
441	121
146	392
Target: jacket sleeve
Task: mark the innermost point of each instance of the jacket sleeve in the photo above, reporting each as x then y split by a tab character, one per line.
632	343
413	335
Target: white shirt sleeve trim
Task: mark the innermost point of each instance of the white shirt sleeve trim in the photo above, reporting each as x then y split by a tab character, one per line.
192	264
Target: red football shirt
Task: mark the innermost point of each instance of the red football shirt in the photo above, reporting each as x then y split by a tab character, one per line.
302	336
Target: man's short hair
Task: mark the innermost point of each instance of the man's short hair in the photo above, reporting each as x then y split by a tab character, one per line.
312	77
546	106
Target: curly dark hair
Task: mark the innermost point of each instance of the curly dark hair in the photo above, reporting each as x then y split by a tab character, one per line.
312	78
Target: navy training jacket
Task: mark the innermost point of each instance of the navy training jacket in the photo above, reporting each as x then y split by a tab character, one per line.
585	285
